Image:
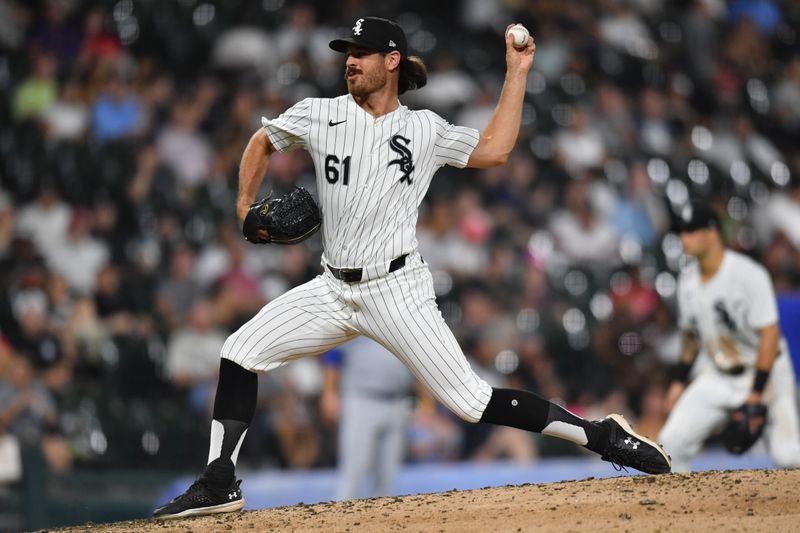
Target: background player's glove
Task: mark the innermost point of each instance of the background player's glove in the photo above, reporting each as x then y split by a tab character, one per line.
290	219
744	427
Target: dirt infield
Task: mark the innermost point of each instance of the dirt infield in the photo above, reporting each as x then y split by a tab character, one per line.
744	500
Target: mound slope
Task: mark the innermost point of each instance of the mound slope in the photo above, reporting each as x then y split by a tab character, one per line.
744	500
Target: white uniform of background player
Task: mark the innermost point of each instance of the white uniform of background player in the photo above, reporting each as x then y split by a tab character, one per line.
727	314
374	160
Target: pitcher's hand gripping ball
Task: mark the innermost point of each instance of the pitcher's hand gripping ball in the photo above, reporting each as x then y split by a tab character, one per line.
520	34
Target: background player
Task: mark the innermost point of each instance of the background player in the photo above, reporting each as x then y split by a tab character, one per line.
367	390
374	161
728	312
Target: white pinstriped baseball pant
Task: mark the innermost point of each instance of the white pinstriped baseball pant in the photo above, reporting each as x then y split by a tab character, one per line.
398	311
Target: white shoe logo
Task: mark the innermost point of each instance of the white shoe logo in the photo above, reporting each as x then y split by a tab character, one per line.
232	496
633	443
357	27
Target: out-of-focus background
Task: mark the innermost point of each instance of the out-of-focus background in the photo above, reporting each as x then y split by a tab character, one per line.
122	269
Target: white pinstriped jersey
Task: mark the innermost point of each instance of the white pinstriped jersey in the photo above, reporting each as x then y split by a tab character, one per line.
727	311
372	173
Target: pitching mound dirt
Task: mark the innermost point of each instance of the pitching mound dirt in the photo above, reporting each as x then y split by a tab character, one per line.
745	500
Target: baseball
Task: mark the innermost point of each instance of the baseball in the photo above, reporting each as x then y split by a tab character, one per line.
520	34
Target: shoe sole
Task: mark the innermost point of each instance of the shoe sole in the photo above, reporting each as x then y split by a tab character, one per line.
619	419
228	507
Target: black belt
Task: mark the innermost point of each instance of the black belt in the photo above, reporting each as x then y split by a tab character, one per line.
733	371
354	275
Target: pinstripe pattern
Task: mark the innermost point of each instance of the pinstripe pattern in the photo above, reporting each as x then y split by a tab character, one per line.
372	219
308	320
368	221
398	311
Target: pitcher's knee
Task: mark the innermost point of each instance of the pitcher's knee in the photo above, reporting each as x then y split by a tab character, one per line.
228	348
467	416
462	411
467	411
237	350
467	396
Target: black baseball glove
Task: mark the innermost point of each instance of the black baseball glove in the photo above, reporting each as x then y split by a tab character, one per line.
290	219
744	427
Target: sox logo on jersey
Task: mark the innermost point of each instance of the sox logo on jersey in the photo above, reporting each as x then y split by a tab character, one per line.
405	161
372	174
724	316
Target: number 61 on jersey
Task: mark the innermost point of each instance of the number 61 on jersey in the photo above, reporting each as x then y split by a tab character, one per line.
332	172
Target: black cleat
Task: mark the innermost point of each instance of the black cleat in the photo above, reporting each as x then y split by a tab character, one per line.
625	447
201	499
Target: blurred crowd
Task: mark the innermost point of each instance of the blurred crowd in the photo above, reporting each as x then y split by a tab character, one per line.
122	269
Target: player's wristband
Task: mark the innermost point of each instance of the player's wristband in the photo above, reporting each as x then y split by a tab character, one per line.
760	380
680	372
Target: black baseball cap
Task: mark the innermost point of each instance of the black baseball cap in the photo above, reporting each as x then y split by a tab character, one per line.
374	33
696	216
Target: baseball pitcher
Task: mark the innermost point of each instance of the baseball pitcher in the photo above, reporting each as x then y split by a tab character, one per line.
374	160
728	312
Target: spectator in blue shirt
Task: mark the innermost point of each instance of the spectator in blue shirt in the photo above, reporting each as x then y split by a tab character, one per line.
117	112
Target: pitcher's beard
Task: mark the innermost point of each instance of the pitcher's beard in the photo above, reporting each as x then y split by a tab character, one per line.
363	85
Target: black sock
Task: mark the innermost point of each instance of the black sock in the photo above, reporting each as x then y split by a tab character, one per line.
237	390
220	472
234	407
529	411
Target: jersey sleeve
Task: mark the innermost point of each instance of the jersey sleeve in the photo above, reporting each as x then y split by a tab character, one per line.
762	309
290	130
454	144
